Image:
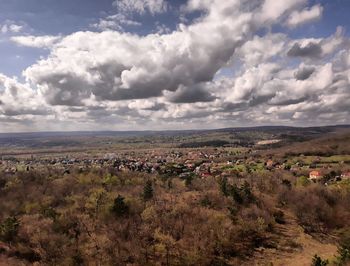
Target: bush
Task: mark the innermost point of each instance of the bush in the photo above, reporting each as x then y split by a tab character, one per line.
9	229
206	202
50	213
279	217
242	194
303	181
318	261
287	183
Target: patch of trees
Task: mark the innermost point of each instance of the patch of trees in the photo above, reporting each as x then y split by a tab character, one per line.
209	143
97	217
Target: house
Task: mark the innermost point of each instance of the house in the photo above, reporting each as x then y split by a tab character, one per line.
269	164
314	175
205	175
345	175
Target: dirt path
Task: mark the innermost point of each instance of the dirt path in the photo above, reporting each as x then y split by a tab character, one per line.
295	248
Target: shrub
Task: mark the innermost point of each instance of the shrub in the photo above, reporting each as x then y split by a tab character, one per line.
206	202
242	194
303	181
9	229
50	213
287	183
318	261
279	217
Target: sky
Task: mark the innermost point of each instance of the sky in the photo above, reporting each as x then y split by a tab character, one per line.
182	64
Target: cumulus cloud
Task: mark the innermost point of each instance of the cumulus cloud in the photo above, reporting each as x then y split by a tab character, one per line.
307	15
19	100
224	67
117	66
261	49
46	41
319	48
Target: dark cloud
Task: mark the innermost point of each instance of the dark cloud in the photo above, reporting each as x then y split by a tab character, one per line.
98	113
312	50
65	88
230	107
191	95
260	99
25	111
304	73
340	77
76	109
250	101
289	101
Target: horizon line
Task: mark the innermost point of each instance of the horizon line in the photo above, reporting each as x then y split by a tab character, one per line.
171	130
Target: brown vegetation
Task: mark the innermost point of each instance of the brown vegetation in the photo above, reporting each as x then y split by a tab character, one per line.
136	218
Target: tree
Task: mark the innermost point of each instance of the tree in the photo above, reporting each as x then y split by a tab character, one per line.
247	192
318	261
120	208
223	186
236	194
188	180
287	183
148	191
9	229
165	244
344	248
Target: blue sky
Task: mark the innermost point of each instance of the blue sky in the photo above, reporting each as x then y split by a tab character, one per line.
51	17
180	75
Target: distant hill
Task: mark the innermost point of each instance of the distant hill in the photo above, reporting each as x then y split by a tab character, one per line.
321	129
87	140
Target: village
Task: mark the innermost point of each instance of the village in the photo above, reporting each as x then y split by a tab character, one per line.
201	162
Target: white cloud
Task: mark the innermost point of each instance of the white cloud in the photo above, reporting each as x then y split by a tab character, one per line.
10	27
307	15
141	6
46	41
261	49
121	66
115	22
215	71
272	9
19	100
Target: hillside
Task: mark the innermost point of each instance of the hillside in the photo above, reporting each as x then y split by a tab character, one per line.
164	204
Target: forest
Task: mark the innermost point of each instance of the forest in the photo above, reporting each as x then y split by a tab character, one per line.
242	213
